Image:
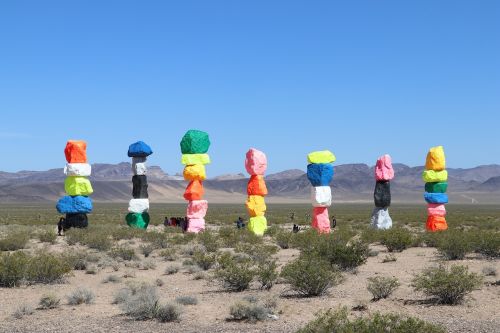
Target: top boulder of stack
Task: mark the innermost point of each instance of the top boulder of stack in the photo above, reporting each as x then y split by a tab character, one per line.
435	159
324	156
195	142
384	169
139	149
76	151
256	162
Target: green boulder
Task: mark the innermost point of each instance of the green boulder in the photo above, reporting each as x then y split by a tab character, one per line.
137	220
437	187
195	142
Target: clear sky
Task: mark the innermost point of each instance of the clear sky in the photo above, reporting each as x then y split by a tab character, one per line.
361	78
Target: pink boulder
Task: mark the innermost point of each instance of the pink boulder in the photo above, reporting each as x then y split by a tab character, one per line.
256	162
383	168
321	220
196	225
197	209
436	210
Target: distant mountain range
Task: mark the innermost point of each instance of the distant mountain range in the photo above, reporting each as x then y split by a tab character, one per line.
351	183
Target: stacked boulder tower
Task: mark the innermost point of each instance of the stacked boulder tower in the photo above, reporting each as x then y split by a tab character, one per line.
384	173
76	204
320	174
194	148
256	165
138	216
435	177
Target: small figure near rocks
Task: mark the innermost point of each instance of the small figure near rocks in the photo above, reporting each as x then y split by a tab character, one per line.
296	229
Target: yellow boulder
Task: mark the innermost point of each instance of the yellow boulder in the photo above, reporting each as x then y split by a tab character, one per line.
256	205
258	225
78	186
192	159
324	156
195	172
431	176
435	159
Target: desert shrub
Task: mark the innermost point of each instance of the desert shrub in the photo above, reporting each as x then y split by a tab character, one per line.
397	239
311	276
148	264
127	233
389	258
187	300
382	287
209	240
172	269
230	237
283	239
146	249
122	295
157	239
204	260
487	243
454	245
267	274
448	286
169	254
45	267
14	241
94	239
167	313
273	230
199	276
47	236
140	303
81	296
244	310
91	270
12	268
112	279
258	252
234	275
124	252
371	235
23	310
306	240
489	271
338	321
77	260
346	256
49	301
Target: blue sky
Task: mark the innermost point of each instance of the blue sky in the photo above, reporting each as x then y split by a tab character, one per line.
361	78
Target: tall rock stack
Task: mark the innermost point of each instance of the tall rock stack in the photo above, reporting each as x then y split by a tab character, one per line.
435	177
320	174
384	173
194	147
256	165
138	207
76	204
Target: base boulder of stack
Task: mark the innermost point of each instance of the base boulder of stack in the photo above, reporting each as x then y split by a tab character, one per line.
381	218
76	220
257	225
137	220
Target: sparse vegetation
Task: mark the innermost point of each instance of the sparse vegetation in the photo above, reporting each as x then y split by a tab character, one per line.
244	310
455	244
397	239
382	287
311	276
112	279
14	241
234	275
123	252
267	274
489	271
47	236
204	260
23	310
49	301
172	269
146	249
338	321
447	286
81	296
187	300
168	313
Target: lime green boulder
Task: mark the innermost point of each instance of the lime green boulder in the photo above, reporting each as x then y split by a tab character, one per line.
431	176
441	187
324	156
78	186
137	220
195	142
258	225
192	159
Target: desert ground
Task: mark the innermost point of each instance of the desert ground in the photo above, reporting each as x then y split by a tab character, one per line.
175	253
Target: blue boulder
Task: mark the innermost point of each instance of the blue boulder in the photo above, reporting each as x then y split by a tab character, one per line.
320	174
436	198
139	149
73	205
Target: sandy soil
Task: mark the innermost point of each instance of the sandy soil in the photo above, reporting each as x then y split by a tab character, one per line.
480	313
